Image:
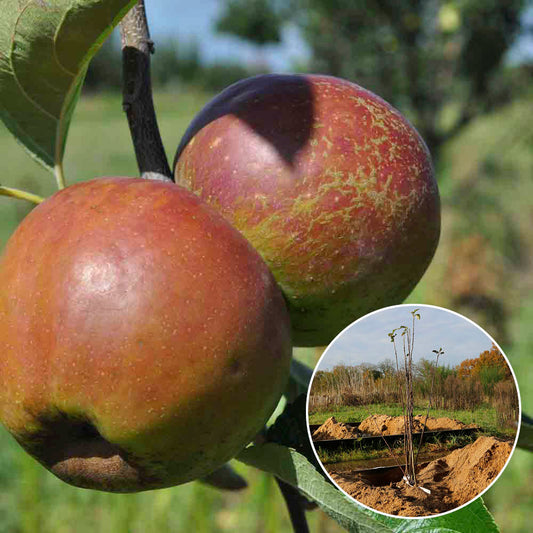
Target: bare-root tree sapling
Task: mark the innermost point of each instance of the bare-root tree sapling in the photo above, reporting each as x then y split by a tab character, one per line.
407	395
408	342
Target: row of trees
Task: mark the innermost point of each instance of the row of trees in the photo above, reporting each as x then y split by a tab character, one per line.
489	362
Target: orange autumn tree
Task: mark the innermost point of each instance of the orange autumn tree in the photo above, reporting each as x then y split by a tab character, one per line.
492	358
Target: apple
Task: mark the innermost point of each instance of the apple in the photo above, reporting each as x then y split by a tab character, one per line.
143	341
331	184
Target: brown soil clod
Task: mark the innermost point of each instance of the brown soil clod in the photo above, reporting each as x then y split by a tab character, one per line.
332	430
452	480
394	425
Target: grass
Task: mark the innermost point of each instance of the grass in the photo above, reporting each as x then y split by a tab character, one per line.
32	500
357	454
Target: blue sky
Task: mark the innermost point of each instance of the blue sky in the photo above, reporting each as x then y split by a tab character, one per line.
194	21
367	341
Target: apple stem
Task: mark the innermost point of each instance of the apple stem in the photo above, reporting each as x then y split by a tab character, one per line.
60	176
137	95
21	195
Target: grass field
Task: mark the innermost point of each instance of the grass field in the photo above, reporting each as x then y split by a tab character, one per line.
33	501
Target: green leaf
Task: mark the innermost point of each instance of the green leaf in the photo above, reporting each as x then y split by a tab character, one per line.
473	518
293	468
301	373
45	49
296	470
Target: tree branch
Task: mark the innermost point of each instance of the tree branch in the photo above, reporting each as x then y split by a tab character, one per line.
137	95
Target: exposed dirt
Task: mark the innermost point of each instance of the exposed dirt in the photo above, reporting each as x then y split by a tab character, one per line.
394	425
331	429
453	480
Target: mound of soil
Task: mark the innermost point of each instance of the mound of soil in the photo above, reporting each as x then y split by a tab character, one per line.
394	425
453	480
331	429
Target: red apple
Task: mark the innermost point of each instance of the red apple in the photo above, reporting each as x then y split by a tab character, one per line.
143	341
332	185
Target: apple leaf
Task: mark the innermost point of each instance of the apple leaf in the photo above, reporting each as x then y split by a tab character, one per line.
45	49
288	455
290	429
474	518
293	468
301	373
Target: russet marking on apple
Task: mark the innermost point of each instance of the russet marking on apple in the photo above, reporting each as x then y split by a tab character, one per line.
332	185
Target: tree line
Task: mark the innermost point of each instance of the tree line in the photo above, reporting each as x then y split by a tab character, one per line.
485	379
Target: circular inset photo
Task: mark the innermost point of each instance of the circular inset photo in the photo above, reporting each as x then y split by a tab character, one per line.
413	411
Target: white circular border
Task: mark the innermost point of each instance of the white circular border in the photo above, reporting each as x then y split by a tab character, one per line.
425	517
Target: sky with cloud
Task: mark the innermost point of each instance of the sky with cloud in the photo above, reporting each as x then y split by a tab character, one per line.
367	340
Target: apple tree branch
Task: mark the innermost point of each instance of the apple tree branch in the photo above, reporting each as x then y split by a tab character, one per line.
137	95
